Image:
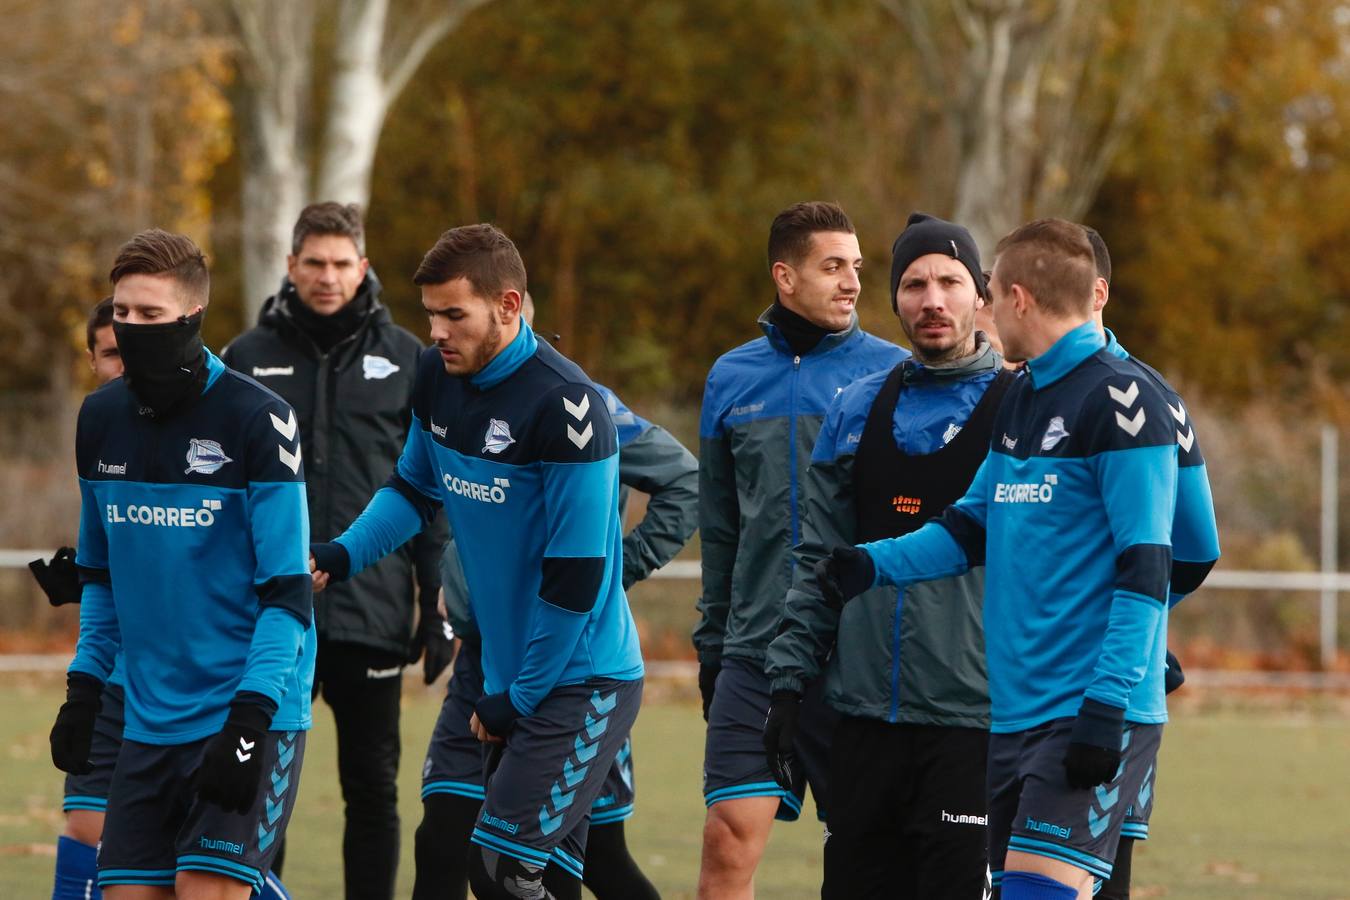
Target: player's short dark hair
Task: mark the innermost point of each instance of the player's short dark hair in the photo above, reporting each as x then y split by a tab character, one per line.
341	219
100	316
1100	254
1052	259
173	256
790	233
482	254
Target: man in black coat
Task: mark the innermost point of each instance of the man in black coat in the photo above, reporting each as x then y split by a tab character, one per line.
328	346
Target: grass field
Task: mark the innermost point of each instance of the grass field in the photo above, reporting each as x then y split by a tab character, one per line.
1254	802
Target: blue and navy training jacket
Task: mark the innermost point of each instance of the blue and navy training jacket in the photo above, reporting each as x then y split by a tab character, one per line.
1071	512
194	552
524	457
1195	531
762	409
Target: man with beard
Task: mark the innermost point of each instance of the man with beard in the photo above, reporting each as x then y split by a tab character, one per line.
518	445
197	574
1082	469
904	668
651	460
762	409
328	346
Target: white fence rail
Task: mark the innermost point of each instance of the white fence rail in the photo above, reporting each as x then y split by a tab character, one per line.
1327	584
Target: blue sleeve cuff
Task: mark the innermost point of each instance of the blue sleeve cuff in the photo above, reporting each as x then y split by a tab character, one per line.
388	522
273	654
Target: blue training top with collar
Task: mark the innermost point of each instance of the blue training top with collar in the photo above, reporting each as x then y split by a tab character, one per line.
524	457
1071	512
1195	531
193	547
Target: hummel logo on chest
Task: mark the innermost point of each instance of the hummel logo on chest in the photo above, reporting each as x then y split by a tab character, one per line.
115	469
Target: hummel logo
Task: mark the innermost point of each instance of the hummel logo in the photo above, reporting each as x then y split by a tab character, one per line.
289	459
1131	426
287	428
578	410
1186	440
1010	443
1126	397
244	745
265	371
1178	413
580	438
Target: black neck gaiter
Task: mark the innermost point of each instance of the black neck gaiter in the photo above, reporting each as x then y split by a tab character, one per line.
801	334
164	366
327	331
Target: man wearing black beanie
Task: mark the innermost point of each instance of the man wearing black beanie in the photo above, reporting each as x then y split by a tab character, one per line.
904	668
762	408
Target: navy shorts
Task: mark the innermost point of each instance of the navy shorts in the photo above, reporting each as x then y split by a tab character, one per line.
554	766
1140	809
1032	809
734	766
156	826
90	791
455	758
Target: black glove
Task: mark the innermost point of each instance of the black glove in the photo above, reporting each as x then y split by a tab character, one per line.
333	558
59	579
73	733
1093	756
433	642
232	763
707	682
1173	677
780	729
845	574
497	714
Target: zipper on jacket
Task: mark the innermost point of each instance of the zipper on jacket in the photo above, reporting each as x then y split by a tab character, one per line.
792	463
895	656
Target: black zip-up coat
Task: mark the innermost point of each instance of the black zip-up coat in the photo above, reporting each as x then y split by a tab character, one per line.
354	404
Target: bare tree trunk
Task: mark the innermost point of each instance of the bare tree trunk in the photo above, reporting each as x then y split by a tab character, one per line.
372	63
276	42
1022	88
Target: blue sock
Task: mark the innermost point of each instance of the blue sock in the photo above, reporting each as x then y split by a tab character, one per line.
1029	886
76	871
273	889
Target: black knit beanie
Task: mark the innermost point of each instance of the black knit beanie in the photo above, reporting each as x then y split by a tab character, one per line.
925	234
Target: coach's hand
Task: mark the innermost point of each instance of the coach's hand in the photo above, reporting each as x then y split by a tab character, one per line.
1094	753
232	763
493	718
433	643
329	562
73	733
844	574
1173	677
59	578
780	729
707	683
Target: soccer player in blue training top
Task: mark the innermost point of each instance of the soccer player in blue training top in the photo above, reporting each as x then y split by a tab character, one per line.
905	669
1195	549
192	553
1072	514
762	409
520	448
651	460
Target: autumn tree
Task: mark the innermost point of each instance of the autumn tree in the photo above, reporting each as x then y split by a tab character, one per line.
1034	98
373	49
